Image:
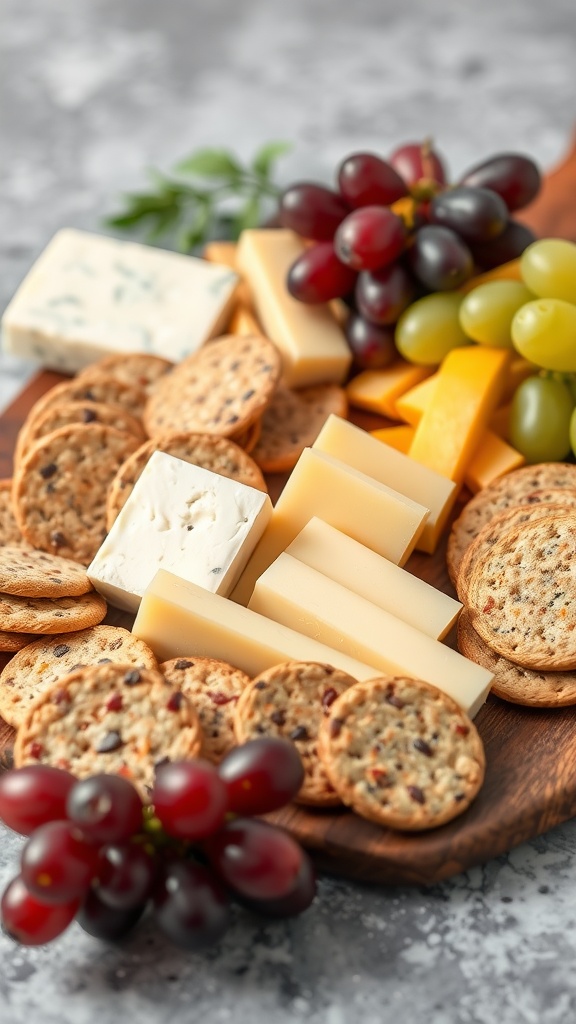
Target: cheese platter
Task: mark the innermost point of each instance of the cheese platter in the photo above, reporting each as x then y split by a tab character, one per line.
530	782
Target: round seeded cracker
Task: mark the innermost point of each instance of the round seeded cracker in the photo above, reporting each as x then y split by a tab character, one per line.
50	614
66	413
213	687
137	369
27	572
292	423
9	531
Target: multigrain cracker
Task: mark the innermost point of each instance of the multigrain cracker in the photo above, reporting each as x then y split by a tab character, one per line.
67	413
514	683
213	687
522	594
138	369
60	488
110	718
50	614
293	421
27	572
41	664
290	700
218	454
401	753
9	531
221	389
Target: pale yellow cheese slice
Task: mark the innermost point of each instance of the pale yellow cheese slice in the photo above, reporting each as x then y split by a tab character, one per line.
357	448
178	619
373	577
351	501
303	599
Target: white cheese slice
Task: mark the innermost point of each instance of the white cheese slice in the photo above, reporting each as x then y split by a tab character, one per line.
185	519
88	296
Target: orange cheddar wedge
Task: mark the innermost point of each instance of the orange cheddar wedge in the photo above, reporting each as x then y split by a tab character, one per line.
399	437
492	458
378	390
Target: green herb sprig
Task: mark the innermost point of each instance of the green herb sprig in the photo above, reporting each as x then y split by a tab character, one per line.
208	195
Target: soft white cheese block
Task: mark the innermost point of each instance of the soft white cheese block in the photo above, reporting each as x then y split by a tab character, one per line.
88	296
185	519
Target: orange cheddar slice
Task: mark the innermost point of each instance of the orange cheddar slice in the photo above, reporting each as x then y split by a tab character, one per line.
411	405
399	437
378	390
492	458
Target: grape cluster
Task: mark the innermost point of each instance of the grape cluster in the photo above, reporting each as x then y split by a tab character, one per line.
395	231
97	854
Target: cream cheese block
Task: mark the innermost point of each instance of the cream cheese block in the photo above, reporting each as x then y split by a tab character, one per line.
186	519
311	343
88	296
351	501
379	580
178	619
303	599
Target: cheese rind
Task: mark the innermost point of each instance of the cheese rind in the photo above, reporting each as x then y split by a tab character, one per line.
88	296
354	566
184	518
306	600
356	448
364	508
311	343
176	619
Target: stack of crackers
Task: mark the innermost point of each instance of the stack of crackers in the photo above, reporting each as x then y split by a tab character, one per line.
512	558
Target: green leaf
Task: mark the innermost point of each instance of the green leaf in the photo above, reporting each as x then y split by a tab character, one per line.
165	219
197	232
211	163
266	157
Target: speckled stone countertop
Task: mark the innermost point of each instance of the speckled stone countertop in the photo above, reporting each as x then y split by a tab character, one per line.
94	92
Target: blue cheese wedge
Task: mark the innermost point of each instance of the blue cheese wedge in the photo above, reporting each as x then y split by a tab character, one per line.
88	296
185	519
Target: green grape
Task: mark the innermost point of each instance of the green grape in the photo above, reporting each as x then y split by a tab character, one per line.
430	328
548	269
544	332
540	419
573	432
487	311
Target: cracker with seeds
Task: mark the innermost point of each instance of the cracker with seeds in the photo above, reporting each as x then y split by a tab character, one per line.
110	718
11	642
27	572
290	701
50	614
292	423
401	753
213	687
137	369
9	531
221	389
67	413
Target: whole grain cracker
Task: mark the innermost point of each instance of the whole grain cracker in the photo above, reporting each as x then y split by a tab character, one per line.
503	521
66	413
27	572
138	369
213	687
50	614
514	683
9	531
292	423
41	664
402	753
248	438
109	718
220	389
218	454
61	485
505	492
290	700
10	642
522	594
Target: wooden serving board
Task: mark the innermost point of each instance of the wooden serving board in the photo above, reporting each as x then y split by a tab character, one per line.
530	783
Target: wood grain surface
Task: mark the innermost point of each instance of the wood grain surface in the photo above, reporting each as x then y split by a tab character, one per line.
530	783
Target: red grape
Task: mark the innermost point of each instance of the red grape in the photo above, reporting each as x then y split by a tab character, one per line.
372	346
106	808
297	900
477	214
32	796
190	799
440	259
366	180
259	861
58	866
382	295
261	775
513	176
125	876
313	211
416	161
104	922
318	275
28	920
508	246
190	905
370	237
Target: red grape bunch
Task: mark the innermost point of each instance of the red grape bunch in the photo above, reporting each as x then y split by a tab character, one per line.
395	231
97	854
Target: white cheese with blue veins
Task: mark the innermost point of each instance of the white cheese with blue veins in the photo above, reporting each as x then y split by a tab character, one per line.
197	524
88	296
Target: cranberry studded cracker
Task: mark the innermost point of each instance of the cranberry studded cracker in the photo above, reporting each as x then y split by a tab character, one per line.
213	687
401	753
290	701
110	718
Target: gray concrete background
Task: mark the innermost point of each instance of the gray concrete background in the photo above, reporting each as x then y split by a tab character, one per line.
91	93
